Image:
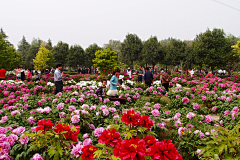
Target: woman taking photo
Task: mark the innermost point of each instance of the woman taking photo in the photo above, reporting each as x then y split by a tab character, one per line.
113	84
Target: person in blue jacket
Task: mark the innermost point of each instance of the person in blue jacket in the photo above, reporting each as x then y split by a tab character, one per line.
113	84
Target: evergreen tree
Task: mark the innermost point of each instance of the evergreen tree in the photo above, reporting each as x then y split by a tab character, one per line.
9	58
90	54
152	51
4	36
76	56
131	49
60	52
23	47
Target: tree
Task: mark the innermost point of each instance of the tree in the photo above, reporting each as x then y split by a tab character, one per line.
32	51
23	47
212	48
4	36
76	56
131	48
106	60
9	58
49	45
41	59
60	52
114	45
90	54
152	51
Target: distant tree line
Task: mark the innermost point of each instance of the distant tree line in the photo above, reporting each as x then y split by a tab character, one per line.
211	49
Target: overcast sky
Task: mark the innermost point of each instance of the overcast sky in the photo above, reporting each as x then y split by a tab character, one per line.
85	22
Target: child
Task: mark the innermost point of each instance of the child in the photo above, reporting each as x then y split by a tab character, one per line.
29	75
102	90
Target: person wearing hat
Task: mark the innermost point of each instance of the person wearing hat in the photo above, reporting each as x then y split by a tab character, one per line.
129	73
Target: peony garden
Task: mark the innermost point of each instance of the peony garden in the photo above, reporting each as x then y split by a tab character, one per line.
197	119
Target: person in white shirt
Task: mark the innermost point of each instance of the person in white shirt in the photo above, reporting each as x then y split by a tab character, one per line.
220	71
192	72
129	73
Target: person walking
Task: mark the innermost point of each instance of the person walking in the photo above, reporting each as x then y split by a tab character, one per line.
165	79
18	72
2	74
148	77
58	79
113	92
140	74
52	70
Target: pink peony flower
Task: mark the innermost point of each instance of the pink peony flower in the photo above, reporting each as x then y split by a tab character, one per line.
31	120
77	150
39	103
60	105
162	125
181	131
62	115
87	142
117	103
105	112
98	131
195	106
214	109
190	115
177	115
177	96
75	119
71	108
85	136
24	140
204	98
37	156
155	113
185	100
208	119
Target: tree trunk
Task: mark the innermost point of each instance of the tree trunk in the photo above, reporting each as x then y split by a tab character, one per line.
166	67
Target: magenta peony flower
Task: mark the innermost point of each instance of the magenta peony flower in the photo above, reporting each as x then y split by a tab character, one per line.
24	140
116	103
31	120
105	112
208	119
177	96
181	131
177	115
185	100
71	108
195	106
204	98
162	125
39	103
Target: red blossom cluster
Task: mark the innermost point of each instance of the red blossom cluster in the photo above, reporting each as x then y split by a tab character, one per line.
137	149
44	125
87	152
135	119
69	134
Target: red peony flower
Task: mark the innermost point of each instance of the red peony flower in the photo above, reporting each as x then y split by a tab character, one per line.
44	125
110	137
87	152
164	150
131	118
146	122
133	149
149	141
68	135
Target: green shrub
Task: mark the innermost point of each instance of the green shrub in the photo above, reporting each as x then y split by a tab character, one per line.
224	144
223	76
169	72
140	85
71	73
30	85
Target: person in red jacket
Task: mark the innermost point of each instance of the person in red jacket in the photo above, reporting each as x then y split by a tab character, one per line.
2	73
29	75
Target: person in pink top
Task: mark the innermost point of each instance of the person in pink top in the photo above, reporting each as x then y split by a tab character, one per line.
29	75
